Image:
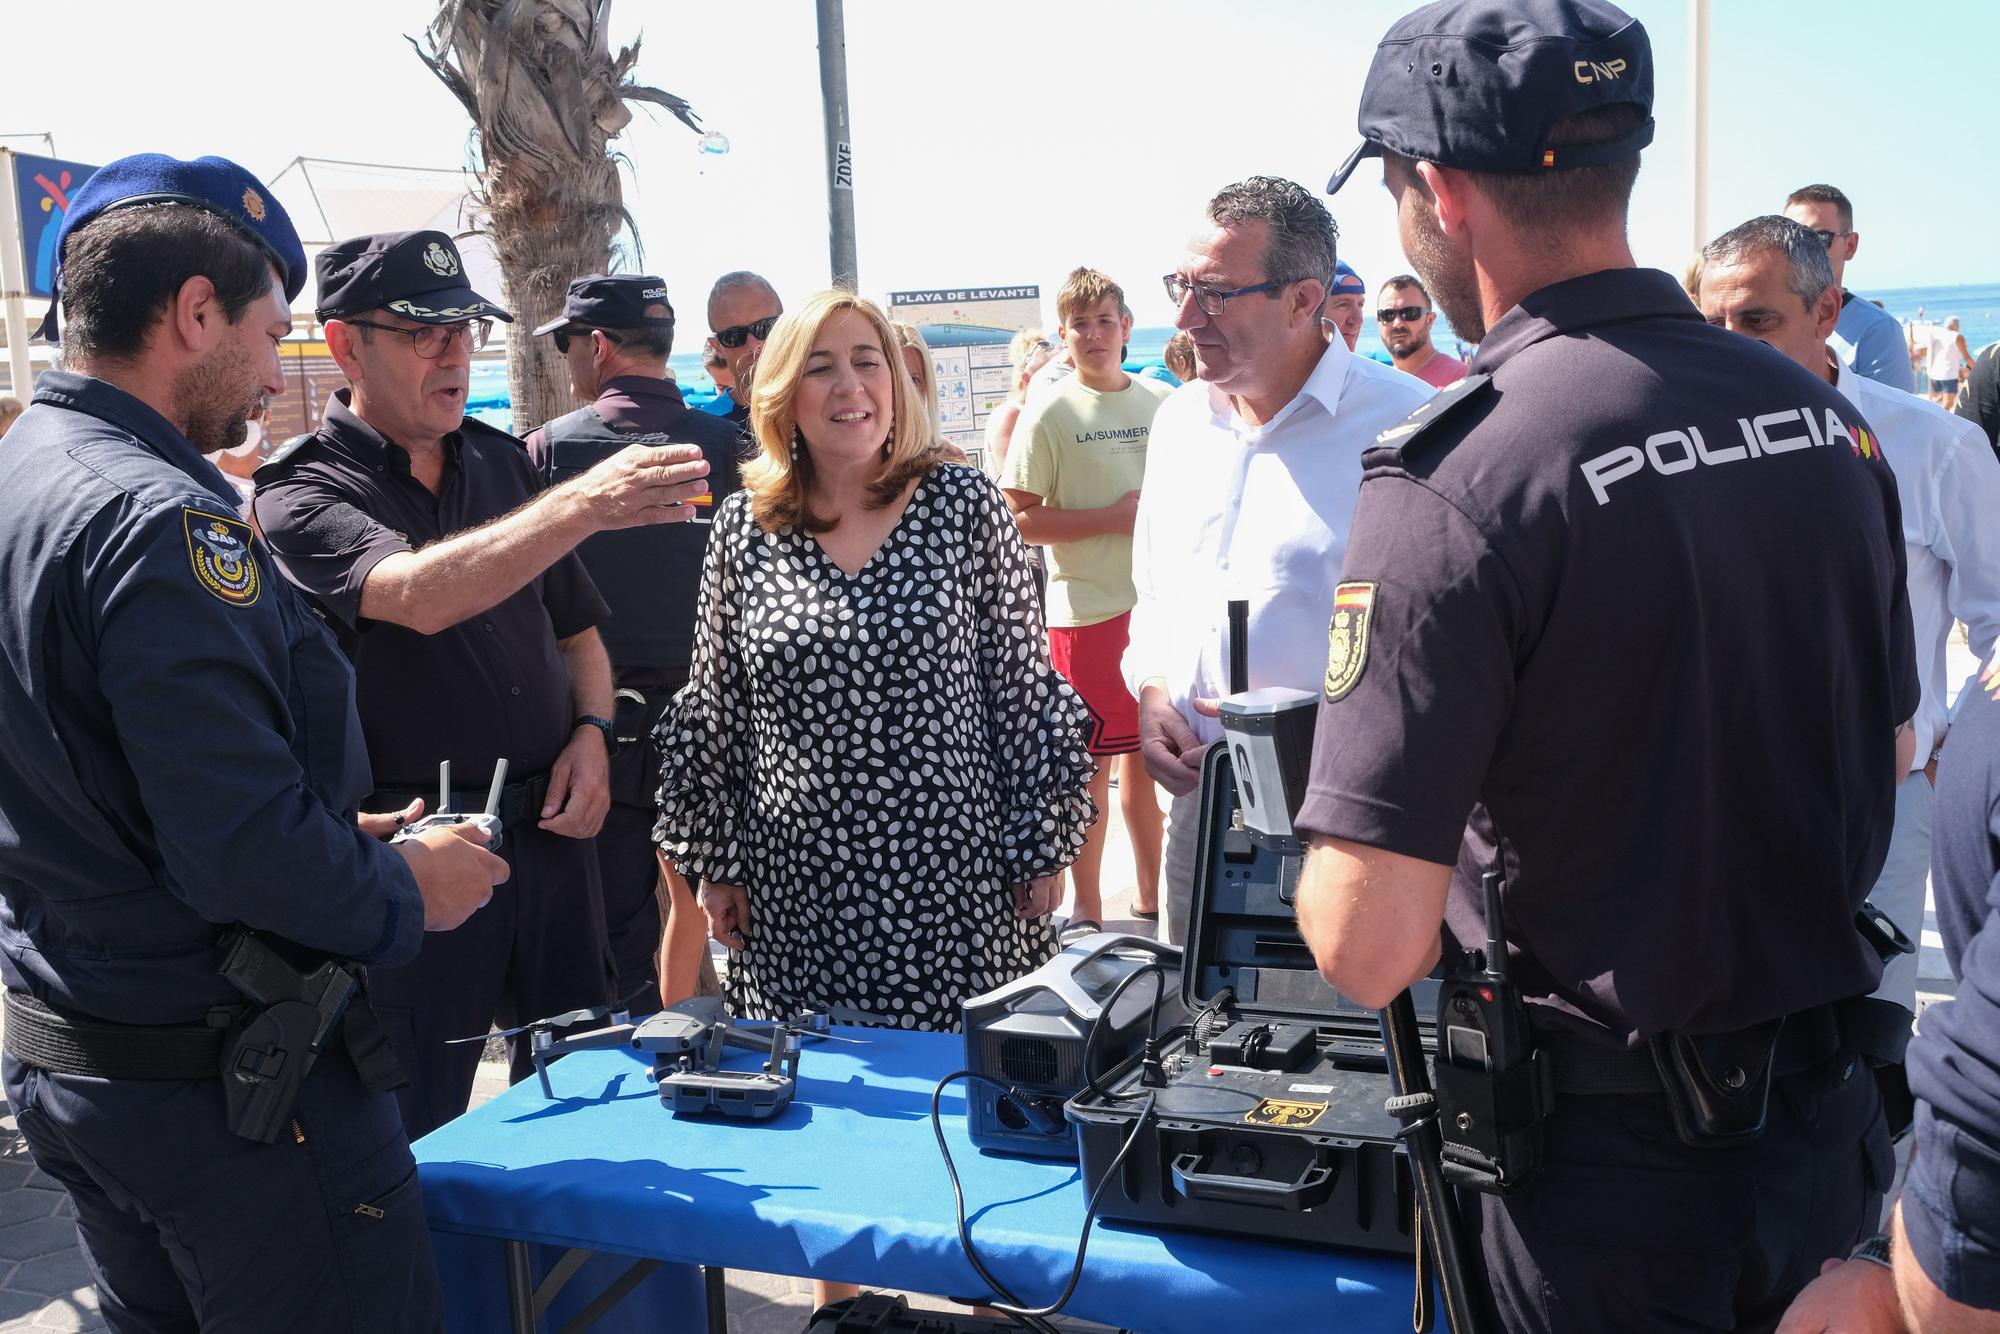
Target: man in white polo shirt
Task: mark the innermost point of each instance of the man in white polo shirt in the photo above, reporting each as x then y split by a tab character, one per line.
1251	475
1769	278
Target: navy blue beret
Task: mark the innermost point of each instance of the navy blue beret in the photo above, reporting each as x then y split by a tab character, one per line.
211	183
1478	85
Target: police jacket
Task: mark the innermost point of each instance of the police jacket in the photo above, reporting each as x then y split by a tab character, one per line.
182	752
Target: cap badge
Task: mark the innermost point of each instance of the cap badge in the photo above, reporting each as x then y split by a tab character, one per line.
253	204
440	261
1591	71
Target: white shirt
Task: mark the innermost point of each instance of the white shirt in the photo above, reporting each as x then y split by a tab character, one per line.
1949	484
1231	510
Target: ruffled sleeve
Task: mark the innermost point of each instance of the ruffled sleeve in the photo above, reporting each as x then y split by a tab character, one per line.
703	737
1036	721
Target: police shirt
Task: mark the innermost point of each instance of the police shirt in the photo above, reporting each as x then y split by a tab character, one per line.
1955	1058
1630	599
181	751
650	575
496	685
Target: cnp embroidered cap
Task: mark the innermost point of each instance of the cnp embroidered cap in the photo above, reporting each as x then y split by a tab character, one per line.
1346	282
212	183
615	301
417	275
1478	84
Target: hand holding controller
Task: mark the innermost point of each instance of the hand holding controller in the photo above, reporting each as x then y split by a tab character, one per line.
444	815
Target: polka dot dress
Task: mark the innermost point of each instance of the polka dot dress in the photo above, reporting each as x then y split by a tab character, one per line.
876	758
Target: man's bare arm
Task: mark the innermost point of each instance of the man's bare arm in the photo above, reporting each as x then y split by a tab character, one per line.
1043	525
1371	917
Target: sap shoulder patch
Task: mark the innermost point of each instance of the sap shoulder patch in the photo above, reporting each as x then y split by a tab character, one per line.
219	549
1347	637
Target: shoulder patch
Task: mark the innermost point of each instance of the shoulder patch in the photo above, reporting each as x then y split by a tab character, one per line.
1435	409
277	457
219	549
1347	637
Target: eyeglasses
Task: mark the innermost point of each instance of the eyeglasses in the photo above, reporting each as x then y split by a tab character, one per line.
736	335
1827	238
1210	299
430	340
1407	314
562	337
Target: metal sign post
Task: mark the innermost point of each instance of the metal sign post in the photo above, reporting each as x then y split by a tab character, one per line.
14	281
839	144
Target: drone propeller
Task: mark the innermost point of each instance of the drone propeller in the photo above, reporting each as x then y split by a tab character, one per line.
567	1019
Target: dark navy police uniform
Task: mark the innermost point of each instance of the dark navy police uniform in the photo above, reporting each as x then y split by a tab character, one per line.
1948	1198
650	577
1596	603
331	505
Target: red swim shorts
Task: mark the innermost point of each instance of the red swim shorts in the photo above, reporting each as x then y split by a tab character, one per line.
1088	657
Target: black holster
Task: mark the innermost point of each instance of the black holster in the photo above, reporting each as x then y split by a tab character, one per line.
1718	1086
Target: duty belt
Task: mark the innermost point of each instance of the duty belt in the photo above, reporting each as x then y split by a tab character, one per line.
1808	1039
520	803
65	1045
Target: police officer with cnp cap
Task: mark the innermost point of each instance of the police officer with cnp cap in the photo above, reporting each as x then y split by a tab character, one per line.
178	786
616	331
448	571
1622	619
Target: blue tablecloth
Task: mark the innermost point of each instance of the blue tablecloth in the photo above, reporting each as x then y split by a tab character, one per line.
846	1184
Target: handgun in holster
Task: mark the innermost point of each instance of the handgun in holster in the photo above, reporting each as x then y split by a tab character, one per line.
293	1014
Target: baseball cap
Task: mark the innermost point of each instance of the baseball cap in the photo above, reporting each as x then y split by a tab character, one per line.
212	183
1346	281
614	301
1478	85
418	275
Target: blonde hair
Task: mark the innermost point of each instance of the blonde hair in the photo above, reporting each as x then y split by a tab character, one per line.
1083	289
908	335
779	479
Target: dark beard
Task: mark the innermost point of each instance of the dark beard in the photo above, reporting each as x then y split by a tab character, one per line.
208	398
1447	275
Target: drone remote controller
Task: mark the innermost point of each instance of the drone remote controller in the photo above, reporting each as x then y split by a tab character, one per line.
444	815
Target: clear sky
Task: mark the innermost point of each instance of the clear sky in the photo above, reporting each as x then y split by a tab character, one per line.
1006	143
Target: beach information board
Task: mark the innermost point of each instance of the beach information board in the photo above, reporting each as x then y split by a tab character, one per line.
968	330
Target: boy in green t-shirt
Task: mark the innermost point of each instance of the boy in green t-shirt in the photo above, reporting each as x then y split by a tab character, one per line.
1072	479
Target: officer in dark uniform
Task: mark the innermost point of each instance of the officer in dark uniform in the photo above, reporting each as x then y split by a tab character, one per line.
1592	634
180	776
617	332
427	540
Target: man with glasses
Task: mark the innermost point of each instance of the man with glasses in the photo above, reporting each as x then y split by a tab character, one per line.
449	576
1867	338
1251	473
742	307
1405	318
617	332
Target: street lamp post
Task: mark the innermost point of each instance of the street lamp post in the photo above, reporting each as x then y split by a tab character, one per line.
839	144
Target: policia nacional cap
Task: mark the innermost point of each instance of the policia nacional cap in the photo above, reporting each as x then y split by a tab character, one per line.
614	301
417	275
1478	84
214	184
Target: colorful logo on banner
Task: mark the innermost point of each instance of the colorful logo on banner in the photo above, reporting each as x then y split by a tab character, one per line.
44	185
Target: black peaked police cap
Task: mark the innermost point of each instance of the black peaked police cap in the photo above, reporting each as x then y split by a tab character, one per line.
1478	84
614	301
417	275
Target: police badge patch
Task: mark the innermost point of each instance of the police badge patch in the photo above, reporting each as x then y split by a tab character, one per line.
219	548
1347	637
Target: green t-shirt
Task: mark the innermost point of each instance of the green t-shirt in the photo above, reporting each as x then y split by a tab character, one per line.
1079	449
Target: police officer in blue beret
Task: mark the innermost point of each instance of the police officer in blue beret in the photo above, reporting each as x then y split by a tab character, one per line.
179	859
1622	618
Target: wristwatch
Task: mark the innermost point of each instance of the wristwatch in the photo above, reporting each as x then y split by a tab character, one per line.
601	724
1875	1250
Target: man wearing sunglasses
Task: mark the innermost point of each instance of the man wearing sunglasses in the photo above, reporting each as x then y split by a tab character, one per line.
1405	318
617	332
448	575
1867	338
742	307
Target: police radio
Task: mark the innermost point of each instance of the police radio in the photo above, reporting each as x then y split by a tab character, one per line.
1493	1087
444	816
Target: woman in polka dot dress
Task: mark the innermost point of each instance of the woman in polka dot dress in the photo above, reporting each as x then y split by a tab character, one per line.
873	774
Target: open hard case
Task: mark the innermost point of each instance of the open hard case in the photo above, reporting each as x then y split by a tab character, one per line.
1270	1122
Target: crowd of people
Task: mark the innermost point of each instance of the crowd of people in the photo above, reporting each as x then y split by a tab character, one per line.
1646	607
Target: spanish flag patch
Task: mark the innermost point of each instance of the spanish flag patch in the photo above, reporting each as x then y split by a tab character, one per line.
1347	636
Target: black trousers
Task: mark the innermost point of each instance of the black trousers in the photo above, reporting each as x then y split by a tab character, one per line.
185	1226
536	949
1626	1228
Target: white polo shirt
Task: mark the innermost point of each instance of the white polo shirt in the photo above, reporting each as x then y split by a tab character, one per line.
1949	484
1231	510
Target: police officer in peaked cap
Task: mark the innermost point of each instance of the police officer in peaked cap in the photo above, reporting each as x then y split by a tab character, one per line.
178	791
616	332
1621	618
449	574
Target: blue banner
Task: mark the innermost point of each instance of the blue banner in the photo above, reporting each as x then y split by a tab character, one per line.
44	186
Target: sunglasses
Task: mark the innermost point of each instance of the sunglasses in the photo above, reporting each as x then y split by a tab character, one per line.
736	335
562	337
1407	314
1827	238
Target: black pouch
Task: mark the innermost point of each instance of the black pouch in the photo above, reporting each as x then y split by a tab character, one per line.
1718	1085
635	769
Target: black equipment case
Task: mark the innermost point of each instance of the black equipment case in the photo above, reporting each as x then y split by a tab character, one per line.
881	1313
1270	1121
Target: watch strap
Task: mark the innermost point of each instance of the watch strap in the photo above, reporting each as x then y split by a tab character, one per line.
1874	1250
601	724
